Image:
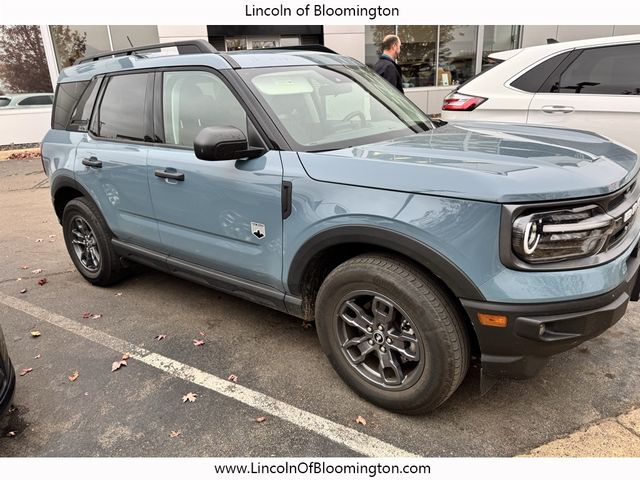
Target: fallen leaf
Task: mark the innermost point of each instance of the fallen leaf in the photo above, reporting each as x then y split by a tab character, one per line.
261	419
38	240
232	378
42	281
11	434
37	356
160	337
116	365
19	279
175	434
24	290
74	376
52	236
189	397
360	419
306	325
35	333
198	343
126	356
25	267
118	294
24	371
86	315
96	316
37	271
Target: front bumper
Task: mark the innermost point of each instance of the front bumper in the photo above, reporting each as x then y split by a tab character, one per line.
521	349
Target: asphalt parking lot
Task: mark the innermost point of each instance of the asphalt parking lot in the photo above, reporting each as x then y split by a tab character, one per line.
285	377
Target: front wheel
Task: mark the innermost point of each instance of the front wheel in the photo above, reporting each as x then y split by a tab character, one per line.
88	241
391	333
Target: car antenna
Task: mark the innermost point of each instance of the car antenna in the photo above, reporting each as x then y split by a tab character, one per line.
134	53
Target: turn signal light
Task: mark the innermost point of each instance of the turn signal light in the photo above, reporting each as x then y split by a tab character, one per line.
489	320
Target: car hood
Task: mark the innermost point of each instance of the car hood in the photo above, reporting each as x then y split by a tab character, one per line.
492	162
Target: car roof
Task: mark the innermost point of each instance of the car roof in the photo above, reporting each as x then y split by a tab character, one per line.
218	61
541	51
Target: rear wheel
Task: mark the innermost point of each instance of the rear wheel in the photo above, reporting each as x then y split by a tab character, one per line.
88	241
391	333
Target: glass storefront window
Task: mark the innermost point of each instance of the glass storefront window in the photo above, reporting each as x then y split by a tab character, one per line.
457	54
72	42
418	54
138	34
235	43
23	67
498	38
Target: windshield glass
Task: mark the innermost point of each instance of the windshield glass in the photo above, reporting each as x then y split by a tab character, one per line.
331	107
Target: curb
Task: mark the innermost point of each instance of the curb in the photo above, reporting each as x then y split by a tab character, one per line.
611	437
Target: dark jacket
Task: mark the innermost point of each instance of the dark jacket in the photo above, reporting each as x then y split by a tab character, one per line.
390	71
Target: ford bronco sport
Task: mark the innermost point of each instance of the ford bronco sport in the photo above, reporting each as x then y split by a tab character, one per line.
302	181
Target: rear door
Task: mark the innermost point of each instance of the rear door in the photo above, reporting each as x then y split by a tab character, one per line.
599	91
223	215
111	159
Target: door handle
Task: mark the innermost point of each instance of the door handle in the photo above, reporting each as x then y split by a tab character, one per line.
557	109
92	162
171	175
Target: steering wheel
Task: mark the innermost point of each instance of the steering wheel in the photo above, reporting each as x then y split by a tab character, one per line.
363	119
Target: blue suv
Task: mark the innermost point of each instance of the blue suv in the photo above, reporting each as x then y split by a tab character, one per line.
302	181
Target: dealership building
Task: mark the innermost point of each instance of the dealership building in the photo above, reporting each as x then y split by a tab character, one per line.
434	58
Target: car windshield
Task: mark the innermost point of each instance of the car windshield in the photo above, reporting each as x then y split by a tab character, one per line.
331	107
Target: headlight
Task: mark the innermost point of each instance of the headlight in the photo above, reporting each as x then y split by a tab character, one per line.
562	234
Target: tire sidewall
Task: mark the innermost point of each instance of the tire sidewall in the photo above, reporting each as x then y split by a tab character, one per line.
437	372
80	208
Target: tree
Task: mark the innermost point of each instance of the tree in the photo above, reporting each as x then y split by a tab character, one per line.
70	44
23	64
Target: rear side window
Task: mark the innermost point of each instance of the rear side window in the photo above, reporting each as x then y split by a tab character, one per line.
4	102
67	95
604	70
82	113
533	80
122	108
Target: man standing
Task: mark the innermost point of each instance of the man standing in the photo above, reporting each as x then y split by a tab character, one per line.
387	66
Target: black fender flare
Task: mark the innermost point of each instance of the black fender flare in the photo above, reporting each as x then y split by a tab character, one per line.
449	273
66	181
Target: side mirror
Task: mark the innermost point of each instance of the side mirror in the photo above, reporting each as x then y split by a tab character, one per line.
224	143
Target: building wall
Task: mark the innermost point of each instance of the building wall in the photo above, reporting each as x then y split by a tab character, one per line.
175	33
538	34
346	40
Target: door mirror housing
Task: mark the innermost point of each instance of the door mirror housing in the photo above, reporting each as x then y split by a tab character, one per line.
224	143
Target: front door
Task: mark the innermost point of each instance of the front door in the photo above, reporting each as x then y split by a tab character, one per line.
223	215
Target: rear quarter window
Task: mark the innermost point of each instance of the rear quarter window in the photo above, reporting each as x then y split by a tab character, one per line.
532	80
67	95
81	115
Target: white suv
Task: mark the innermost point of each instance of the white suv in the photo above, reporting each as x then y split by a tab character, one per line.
588	85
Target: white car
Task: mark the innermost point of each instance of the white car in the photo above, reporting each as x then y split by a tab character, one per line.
21	100
587	85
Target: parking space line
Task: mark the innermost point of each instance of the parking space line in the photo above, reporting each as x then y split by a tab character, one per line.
349	437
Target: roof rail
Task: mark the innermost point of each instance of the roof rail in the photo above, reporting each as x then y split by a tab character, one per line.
185	47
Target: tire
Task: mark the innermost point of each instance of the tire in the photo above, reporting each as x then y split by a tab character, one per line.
108	268
420	321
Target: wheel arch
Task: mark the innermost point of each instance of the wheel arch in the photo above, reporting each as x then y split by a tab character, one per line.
63	190
327	249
